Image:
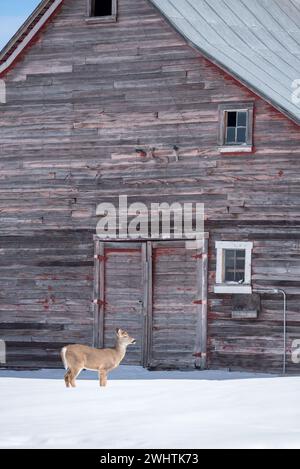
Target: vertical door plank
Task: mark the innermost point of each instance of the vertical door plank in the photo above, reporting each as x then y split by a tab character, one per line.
149	305
175	305
204	303
96	293
101	294
202	278
124	286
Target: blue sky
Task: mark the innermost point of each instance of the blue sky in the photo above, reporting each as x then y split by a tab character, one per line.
12	14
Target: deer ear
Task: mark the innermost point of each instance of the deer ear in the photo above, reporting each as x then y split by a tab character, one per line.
118	331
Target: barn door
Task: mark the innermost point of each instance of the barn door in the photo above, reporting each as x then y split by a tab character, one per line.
179	305
120	296
158	292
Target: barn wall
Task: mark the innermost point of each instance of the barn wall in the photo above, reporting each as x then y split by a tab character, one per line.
258	344
79	104
45	296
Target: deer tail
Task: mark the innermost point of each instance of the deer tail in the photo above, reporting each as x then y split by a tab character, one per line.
63	357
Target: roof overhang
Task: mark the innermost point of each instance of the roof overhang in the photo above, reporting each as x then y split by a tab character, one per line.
27	33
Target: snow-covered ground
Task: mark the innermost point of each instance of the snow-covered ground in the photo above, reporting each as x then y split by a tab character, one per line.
141	409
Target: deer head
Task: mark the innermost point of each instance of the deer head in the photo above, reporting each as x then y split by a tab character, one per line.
124	339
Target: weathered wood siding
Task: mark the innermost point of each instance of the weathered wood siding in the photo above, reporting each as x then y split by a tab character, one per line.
258	344
152	289
79	104
124	294
45	296
174	310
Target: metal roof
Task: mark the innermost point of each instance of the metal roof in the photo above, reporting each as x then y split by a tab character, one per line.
257	41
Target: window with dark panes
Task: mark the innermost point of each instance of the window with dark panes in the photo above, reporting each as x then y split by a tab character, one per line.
236	127
101	8
234	265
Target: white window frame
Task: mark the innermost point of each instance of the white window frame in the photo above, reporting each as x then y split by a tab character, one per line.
233	287
102	19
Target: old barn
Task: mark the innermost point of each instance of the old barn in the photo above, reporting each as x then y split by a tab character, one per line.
161	101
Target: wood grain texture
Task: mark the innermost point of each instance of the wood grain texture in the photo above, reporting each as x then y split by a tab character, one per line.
124	293
79	104
175	312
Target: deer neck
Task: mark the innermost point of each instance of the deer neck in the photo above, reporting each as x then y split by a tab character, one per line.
121	350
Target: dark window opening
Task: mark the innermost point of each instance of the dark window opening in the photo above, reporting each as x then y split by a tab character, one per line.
236	127
234	264
101	8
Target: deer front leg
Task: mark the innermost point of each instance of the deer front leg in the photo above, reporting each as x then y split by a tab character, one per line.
103	378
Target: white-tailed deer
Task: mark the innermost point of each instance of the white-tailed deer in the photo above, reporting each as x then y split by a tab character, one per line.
80	357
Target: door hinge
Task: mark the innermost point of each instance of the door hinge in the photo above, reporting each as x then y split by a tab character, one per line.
99	302
200	355
198	256
200	302
100	258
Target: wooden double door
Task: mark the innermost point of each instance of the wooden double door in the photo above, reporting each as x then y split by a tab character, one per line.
157	291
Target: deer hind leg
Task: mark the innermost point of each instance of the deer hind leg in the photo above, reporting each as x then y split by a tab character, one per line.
74	372
67	378
103	378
